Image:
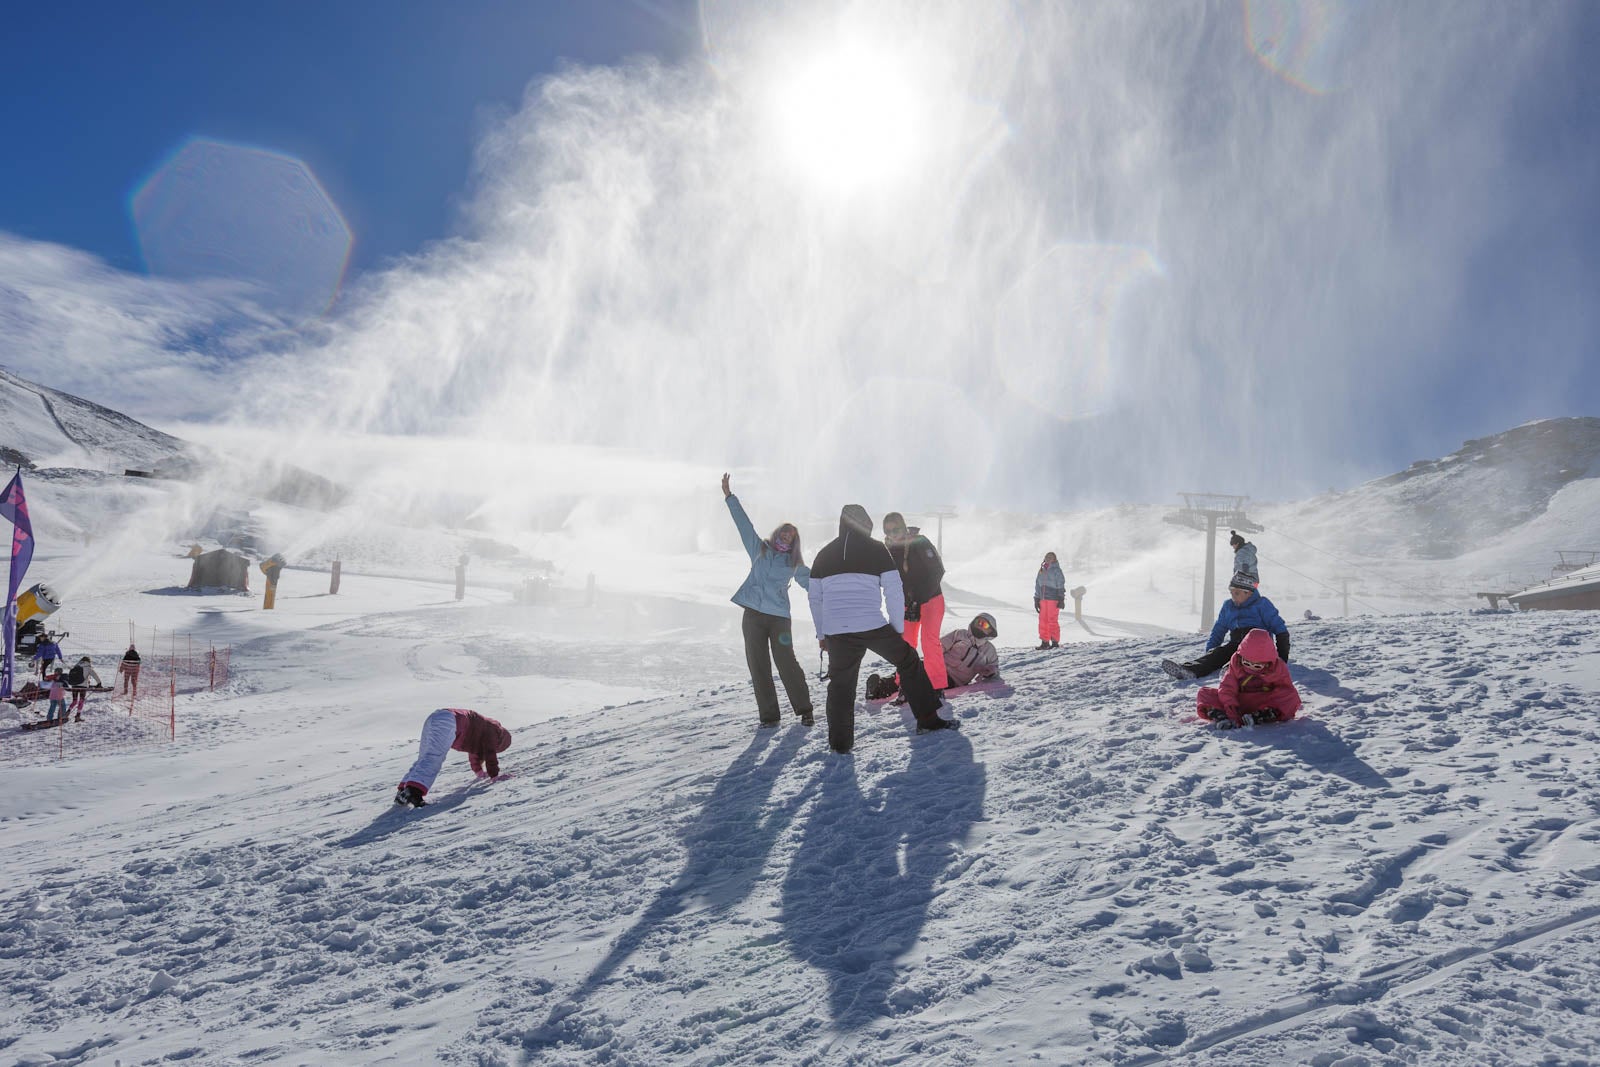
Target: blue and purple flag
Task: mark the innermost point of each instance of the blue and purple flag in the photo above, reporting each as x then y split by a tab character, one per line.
14	506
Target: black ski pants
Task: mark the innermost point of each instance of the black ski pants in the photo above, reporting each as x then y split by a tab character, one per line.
1218	657
768	638
845	652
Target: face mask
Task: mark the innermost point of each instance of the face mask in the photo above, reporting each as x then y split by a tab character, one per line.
783	542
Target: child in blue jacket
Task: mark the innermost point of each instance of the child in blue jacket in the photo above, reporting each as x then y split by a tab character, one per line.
774	563
1243	611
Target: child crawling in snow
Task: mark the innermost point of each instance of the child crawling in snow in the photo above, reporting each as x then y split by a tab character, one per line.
1255	686
480	737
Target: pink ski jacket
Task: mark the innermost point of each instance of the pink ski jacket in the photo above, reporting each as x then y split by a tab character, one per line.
1247	690
482	739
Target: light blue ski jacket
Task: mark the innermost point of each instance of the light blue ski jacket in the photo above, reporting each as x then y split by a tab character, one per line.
766	588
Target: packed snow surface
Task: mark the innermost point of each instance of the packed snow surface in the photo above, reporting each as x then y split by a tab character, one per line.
1409	873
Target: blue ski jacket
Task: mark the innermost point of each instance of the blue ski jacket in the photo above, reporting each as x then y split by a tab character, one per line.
1256	612
766	587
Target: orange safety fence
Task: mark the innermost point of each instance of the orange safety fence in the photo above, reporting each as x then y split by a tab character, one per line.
133	706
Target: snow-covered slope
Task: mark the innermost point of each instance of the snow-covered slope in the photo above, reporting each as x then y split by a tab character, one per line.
1408	874
50	428
1442	509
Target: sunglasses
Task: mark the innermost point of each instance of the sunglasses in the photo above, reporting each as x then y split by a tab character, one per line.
1252	665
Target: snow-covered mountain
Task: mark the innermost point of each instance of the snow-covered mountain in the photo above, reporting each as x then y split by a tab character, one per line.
45	427
1447	508
1490	517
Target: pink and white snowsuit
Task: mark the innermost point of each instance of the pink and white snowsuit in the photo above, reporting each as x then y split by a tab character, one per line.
463	730
1240	690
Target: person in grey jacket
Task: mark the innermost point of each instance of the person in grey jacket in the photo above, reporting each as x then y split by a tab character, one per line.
1049	597
768	635
1244	556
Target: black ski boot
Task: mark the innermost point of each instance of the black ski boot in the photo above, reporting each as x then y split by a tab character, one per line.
881	688
410	796
1177	670
928	726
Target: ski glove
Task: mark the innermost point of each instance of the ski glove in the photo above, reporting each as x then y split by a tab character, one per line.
913	612
1282	641
1035	605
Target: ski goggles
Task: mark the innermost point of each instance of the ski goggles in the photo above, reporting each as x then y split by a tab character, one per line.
982	628
1252	665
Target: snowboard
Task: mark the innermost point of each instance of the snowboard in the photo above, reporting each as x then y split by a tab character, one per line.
1248	721
985	687
40	724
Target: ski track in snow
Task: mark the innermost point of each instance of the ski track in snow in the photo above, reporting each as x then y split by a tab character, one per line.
1407	874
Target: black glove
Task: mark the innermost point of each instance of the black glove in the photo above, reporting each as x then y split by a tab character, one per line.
913	612
1062	600
1282	641
1036	605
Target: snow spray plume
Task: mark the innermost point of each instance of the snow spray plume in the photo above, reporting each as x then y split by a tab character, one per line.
1091	230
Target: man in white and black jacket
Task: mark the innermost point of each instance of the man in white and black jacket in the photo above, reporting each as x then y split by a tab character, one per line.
853	579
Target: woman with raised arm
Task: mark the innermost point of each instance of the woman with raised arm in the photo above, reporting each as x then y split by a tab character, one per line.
768	636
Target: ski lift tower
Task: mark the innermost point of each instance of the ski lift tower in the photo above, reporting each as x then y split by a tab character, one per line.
1204	511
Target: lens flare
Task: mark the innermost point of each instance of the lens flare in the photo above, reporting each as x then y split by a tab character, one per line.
225	211
1308	43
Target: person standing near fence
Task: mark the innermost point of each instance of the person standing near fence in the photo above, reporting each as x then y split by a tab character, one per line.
129	669
47	652
78	679
58	698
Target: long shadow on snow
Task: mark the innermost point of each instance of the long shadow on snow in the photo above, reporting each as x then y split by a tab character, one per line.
1325	683
857	893
396	817
1318	746
728	845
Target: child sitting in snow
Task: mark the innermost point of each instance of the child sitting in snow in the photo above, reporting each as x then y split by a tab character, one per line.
480	737
969	654
1256	684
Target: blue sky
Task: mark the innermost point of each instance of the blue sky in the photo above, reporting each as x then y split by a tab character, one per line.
1227	245
383	99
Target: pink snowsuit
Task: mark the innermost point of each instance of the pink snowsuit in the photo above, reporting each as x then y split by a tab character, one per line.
480	737
1240	690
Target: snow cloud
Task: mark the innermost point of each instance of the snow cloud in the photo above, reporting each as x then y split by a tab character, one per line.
1111	252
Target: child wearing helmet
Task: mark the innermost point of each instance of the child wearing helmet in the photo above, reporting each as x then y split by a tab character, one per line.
969	654
1255	686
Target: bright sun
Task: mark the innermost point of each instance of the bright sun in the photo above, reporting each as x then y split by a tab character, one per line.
850	118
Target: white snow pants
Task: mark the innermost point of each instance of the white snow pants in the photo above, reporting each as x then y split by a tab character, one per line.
438	734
